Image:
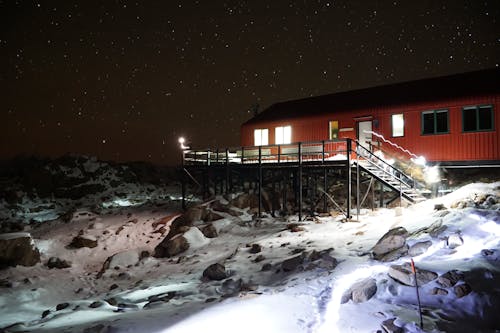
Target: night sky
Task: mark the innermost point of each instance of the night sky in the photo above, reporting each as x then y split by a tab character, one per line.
123	80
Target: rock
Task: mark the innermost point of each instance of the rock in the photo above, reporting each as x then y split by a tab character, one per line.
292	263
462	290
454	240
491	254
113	286
259	258
55	262
419	248
96	304
215	272
439	207
4	283
210	216
295	227
183	222
361	291
230	287
208	230
218	206
246	201
394	239
403	274
61	306
171	247
389	326
328	262
194	214
83	241
18	249
394	254
266	267
45	313
11	227
100	328
449	279
439	291
256	248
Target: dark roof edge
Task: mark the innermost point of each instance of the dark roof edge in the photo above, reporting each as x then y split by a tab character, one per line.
485	76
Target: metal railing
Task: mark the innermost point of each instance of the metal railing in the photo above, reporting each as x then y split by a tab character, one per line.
327	150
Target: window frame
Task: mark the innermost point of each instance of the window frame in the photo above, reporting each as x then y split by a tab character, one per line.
333	128
392	125
476	108
261	131
283	136
434	113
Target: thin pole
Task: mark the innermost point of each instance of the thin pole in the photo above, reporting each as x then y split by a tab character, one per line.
349	190
418	295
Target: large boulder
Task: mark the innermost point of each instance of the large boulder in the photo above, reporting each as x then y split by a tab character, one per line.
182	222
171	247
18	249
404	274
208	230
391	242
361	291
419	248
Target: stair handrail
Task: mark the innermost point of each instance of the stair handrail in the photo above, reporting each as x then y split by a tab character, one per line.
397	175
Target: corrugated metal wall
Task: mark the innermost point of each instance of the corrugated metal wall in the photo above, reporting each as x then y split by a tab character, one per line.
452	146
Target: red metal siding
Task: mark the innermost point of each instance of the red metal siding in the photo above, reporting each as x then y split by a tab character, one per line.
452	146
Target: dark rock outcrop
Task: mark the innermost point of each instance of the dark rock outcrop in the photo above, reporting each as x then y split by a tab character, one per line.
18	249
83	241
171	247
215	271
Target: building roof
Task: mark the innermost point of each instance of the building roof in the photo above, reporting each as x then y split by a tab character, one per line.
446	87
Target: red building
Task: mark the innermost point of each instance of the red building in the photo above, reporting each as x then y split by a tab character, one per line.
450	120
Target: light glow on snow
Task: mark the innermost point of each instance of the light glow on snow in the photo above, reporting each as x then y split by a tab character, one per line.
420	160
491	227
339	287
432	175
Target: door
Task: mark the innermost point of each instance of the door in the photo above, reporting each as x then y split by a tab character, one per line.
364	134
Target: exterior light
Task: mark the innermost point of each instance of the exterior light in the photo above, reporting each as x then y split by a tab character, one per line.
182	140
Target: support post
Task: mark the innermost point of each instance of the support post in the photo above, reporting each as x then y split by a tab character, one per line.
349	178
325	188
183	183
227	172
260	181
357	187
300	181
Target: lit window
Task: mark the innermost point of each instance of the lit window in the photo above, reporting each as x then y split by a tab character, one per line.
333	129
398	125
261	137
435	122
477	118
283	135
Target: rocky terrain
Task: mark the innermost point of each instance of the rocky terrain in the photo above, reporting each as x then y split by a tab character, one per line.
139	264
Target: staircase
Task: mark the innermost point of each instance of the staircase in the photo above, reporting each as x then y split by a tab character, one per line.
388	175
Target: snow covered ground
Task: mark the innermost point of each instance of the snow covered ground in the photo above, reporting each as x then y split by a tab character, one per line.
136	292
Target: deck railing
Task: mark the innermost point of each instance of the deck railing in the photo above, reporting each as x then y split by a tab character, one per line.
299	152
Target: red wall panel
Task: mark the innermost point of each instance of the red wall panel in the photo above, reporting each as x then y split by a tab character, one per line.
452	146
